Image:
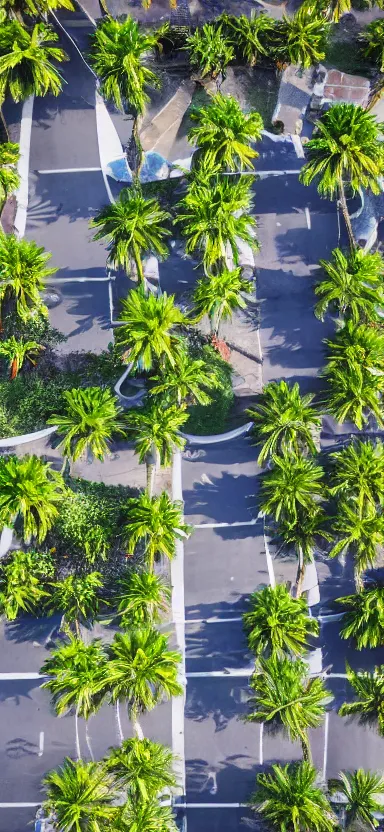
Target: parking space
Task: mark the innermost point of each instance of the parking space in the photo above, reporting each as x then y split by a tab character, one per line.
338	651
216	646
19	819
25	643
220	820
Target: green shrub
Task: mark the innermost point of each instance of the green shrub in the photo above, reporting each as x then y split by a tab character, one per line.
212	418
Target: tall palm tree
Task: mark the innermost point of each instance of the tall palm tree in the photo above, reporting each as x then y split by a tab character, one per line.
76	597
143	598
356	347
354	396
291	487
284	696
291	801
251	36
158	522
23	270
155	430
80	797
143	671
364	618
142	767
284	420
209	51
150	329
372	37
188	380
134	227
358	472
214	218
90	418
30	492
22	580
16	351
9	177
359	532
353	285
77	679
19	9
145	816
277	624
118	56
302	535
363	792
347	148
301	39
28	61
369	705
224	133
220	295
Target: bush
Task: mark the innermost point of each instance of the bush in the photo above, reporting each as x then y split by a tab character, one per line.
211	418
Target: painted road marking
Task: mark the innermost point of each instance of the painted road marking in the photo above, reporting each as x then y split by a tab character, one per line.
41	744
308	218
228	525
70	170
213	620
326	732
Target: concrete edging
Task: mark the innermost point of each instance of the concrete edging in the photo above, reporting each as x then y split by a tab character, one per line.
11	441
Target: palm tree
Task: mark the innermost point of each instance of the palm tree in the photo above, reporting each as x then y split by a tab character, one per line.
28	60
118	54
290	800
302	535
301	39
358	532
372	37
220	295
357	472
143	598
369	706
358	348
224	133
22	580
77	679
188	380
91	417
364	618
134	227
143	671
9	177
291	487
214	218
209	51
18	9
346	149
361	790
150	329
30	491
353	285
251	36
284	420
155	430
145	816
77	598
17	351
80	797
354	396
158	522
277	624
286	697
24	270
142	767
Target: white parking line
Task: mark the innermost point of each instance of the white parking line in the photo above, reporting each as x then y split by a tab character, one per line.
210	805
308	218
41	744
261	734
14	677
19	805
70	170
227	525
326	732
213	620
240	673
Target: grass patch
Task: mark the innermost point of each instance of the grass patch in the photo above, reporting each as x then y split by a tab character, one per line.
346	55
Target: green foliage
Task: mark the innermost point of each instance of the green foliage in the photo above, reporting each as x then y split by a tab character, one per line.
347	147
369	704
302	534
77	598
283	420
158	523
156	426
28	60
373	40
364	618
81	796
213	418
33	8
188	381
35	327
290	800
353	285
250	36
16	352
142	767
278	624
92	417
220	295
118	52
223	133
9	177
133	226
209	51
151	331
301	39
77	676
30	492
143	598
360	532
357	473
146	816
23	582
364	792
23	271
291	487
90	520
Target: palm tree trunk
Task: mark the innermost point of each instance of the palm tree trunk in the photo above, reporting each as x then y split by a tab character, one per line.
78	752
139	267
88	741
150	478
347	220
358	580
118	722
13	369
306	749
138	731
377	92
3	122
139	150
300	572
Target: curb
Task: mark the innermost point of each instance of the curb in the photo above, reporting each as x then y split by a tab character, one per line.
13	441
